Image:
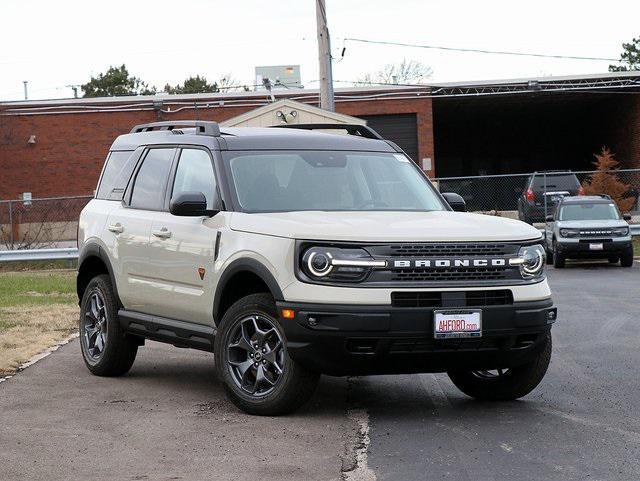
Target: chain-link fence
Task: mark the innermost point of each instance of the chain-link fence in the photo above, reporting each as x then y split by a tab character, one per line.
531	197
40	223
53	222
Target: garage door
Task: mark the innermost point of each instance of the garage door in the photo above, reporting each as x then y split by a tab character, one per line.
401	129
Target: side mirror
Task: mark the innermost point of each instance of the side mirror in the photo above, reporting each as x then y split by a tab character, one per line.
627	217
455	201
549	218
189	204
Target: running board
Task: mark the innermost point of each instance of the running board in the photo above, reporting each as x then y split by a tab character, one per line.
157	328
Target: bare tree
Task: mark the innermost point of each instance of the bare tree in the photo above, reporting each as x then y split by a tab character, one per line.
404	72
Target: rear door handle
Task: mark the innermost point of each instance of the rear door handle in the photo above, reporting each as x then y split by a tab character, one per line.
116	228
163	233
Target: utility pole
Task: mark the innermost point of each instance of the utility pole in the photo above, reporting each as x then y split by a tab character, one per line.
26	94
324	57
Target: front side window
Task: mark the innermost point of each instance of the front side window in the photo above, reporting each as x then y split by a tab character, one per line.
195	174
329	181
151	180
589	212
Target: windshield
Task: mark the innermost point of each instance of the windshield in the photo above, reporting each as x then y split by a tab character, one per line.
331	181
589	212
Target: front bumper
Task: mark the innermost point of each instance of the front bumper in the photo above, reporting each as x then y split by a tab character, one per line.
581	248
361	340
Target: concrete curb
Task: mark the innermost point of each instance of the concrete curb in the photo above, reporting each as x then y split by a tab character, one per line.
41	355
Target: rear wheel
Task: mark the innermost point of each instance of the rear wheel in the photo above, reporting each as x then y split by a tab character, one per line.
106	349
252	360
626	259
504	384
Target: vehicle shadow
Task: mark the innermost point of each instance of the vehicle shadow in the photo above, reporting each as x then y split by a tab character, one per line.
164	370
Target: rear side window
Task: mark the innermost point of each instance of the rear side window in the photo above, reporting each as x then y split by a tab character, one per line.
151	180
556	182
117	170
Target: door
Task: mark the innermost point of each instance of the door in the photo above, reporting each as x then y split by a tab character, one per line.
129	226
399	128
182	249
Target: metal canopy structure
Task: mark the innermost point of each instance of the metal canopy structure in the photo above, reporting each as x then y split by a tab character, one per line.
612	82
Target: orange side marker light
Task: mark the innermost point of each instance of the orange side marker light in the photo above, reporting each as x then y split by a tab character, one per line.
288	313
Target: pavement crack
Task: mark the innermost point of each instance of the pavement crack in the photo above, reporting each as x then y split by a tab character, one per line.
355	460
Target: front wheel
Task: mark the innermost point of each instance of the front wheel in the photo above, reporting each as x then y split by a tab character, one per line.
252	360
504	384
626	259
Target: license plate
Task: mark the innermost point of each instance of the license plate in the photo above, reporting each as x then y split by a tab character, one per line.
596	247
457	323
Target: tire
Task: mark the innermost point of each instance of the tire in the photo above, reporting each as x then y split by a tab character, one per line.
558	259
260	380
115	354
626	259
549	255
508	384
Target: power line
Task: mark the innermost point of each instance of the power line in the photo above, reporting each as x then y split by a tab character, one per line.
477	50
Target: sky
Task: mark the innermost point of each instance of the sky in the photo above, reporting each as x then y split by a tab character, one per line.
54	44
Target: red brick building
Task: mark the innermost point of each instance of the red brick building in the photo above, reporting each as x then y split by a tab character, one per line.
56	147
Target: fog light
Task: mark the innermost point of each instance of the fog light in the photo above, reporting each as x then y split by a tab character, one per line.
552	314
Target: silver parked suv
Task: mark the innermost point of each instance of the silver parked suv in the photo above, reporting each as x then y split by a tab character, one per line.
292	253
588	227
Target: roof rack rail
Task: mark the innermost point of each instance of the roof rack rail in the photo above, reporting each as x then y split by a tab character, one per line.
352	129
202	127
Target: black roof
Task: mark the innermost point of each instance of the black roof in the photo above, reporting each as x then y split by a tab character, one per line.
251	138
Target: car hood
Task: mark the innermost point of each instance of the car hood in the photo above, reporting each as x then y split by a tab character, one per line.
591	224
384	226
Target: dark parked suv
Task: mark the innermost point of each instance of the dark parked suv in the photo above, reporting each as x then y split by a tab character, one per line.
554	185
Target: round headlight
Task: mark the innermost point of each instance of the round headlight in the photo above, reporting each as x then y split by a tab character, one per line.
533	259
319	263
568	233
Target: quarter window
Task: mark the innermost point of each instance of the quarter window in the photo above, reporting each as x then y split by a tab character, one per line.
151	180
195	174
117	170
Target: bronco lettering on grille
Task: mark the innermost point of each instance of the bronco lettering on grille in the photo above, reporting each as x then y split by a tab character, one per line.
444	263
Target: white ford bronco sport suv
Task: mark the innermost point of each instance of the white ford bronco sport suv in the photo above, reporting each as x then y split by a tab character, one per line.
292	253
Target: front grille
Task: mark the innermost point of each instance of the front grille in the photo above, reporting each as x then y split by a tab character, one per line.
413	345
596	233
443	250
424	345
416	299
489	298
451	274
432	299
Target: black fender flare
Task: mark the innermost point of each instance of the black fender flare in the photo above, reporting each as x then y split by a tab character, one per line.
93	249
249	265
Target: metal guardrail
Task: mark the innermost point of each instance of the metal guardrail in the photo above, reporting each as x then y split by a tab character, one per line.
39	254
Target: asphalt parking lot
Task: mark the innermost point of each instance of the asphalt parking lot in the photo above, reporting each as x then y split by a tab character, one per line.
169	419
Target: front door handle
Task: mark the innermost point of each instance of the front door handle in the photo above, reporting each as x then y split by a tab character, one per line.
116	228
163	233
